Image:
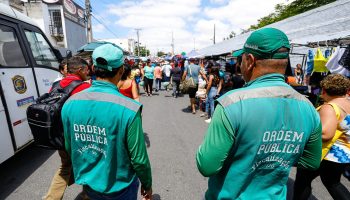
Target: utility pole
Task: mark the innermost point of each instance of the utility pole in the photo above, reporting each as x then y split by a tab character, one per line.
214	34
172	42
88	17
194	43
146	50
138	41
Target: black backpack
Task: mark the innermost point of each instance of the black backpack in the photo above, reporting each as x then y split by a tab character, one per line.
44	116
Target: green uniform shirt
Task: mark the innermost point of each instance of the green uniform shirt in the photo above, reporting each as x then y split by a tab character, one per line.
256	135
104	136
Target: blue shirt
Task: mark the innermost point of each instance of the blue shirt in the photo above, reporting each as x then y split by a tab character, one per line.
193	70
149	72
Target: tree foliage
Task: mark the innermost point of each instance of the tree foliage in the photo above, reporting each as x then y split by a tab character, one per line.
283	11
143	51
161	53
232	35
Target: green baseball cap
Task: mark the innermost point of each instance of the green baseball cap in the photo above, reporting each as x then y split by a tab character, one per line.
108	56
237	53
265	42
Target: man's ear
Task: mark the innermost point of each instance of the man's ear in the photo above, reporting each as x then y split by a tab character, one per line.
250	61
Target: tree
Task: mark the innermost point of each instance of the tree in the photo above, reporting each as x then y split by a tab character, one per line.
283	11
160	53
231	35
143	51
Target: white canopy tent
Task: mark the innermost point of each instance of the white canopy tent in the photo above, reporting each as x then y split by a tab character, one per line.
328	22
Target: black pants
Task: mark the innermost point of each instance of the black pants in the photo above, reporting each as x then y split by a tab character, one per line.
148	85
330	173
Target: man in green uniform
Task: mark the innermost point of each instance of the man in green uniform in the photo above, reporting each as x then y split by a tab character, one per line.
260	131
104	136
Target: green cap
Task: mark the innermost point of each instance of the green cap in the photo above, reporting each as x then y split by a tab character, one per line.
108	56
237	53
265	42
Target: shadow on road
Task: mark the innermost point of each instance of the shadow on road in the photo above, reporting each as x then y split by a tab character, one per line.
17	169
187	110
156	197
290	185
147	141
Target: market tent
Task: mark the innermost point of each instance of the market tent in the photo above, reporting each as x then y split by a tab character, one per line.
92	46
193	54
86	50
328	22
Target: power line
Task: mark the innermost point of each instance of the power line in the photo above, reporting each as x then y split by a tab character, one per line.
103	1
101	20
82	4
104	25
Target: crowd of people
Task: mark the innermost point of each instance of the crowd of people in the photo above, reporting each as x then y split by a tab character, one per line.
212	78
259	126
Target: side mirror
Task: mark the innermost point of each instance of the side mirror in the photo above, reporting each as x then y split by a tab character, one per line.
68	54
58	55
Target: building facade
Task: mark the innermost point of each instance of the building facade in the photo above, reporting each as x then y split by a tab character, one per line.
63	21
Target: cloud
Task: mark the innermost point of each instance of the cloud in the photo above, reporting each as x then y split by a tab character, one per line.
218	1
240	14
188	20
99	28
158	20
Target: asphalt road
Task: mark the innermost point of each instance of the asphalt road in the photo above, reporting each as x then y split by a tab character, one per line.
172	134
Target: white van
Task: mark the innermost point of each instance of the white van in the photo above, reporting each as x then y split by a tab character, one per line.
28	66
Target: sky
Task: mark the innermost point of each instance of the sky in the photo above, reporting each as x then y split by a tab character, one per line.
191	22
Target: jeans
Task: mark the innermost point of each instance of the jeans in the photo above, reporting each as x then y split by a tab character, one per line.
129	193
209	102
330	173
158	83
176	88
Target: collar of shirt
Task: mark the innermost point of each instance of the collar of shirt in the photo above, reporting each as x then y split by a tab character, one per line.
73	77
266	79
105	84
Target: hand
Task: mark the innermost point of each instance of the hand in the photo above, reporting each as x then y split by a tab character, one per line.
147	194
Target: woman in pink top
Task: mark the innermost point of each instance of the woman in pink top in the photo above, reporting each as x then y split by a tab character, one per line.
128	86
158	76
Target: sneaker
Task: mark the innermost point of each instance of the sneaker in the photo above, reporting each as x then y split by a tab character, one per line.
203	115
208	120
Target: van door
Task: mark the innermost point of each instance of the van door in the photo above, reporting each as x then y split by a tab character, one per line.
44	60
17	80
6	148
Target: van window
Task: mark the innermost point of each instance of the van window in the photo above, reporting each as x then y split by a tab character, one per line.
42	52
11	54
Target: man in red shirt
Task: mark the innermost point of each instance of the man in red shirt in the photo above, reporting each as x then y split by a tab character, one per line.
77	70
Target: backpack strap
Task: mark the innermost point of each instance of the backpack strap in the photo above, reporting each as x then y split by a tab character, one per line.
74	84
190	70
55	85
